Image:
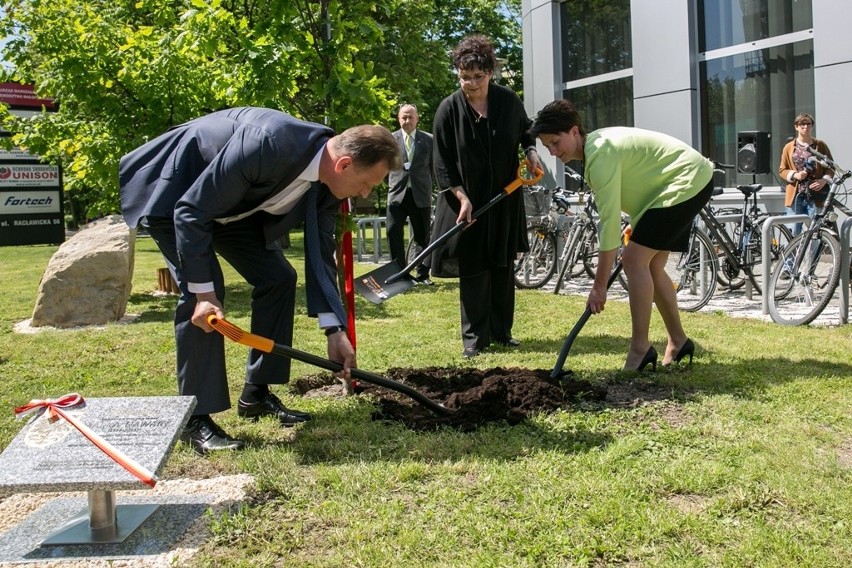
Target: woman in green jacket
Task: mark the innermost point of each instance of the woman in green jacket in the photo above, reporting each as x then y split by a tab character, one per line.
662	183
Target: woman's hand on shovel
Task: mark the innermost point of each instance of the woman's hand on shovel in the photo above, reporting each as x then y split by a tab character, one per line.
465	206
340	350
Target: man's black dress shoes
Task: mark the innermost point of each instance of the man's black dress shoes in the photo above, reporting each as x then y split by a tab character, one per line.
271	406
470	352
205	436
511	342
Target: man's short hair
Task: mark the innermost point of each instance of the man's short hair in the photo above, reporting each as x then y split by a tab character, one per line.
368	145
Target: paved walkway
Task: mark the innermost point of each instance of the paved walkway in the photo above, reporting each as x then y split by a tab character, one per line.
731	302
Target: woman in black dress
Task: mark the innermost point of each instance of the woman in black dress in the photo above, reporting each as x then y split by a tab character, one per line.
479	132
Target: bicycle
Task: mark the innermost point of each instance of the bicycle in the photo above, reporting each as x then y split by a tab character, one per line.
729	274
549	209
803	284
580	253
695	273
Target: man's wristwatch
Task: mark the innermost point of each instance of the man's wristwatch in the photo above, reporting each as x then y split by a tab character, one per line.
334	329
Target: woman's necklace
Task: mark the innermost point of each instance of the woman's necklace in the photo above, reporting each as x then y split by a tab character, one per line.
480	114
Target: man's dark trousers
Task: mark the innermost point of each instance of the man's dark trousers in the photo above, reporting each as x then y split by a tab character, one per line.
420	219
273	280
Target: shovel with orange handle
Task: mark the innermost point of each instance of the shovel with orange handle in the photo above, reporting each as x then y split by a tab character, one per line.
388	281
558	371
266	345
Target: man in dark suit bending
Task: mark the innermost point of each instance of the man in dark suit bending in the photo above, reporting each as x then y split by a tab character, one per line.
229	185
410	189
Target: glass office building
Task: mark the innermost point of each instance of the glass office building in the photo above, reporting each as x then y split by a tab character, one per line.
714	73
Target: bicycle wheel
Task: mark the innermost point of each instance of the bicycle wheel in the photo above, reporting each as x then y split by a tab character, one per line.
588	253
780	236
730	275
804	279
694	272
570	255
537	266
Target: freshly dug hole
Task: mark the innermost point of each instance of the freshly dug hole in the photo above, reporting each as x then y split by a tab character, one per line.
477	396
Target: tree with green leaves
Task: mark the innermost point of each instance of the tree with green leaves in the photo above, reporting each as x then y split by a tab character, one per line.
124	72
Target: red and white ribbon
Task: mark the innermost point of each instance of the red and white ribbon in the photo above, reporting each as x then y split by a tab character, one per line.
54	412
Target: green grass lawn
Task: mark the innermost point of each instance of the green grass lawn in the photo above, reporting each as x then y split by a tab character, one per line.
744	459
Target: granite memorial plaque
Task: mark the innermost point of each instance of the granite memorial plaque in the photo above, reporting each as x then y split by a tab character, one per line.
55	456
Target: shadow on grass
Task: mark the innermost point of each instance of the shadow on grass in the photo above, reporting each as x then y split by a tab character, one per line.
375	440
742	377
665	389
152	308
155	307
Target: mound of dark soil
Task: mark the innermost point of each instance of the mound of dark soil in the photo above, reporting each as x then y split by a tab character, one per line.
474	396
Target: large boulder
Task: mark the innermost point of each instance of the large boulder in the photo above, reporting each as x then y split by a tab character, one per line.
88	280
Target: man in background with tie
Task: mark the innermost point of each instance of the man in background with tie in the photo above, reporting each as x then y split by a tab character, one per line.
229	185
410	189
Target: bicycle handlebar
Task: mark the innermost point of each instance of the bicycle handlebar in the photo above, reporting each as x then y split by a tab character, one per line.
720	167
840	175
574	175
824	160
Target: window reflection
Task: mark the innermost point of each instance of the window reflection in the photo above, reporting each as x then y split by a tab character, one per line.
596	37
758	90
732	22
604	104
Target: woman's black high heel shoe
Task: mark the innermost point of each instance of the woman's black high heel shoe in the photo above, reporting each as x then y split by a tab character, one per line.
688	348
650	358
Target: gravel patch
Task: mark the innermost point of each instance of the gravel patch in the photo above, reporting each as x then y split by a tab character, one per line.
224	492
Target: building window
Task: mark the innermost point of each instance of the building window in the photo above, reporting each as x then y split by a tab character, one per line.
756	90
595	38
597	60
604	104
725	23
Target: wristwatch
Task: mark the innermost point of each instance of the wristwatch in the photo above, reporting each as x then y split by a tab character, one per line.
334	329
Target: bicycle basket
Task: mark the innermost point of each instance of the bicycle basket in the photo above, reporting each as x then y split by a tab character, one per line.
537	201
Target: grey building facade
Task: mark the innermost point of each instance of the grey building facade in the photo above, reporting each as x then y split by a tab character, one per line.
709	72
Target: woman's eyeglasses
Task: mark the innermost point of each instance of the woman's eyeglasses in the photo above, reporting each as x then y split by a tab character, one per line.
472	78
805	124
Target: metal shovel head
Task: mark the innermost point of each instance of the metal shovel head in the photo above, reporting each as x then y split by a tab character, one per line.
374	286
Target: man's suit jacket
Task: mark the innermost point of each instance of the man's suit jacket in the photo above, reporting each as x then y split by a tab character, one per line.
221	165
418	176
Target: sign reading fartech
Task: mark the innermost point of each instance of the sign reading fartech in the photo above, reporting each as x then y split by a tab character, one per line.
31	216
28	175
29	202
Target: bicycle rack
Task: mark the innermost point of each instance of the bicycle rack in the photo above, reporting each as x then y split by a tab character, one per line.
375	223
845	232
766	252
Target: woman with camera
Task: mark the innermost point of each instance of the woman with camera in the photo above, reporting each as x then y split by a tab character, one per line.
807	181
